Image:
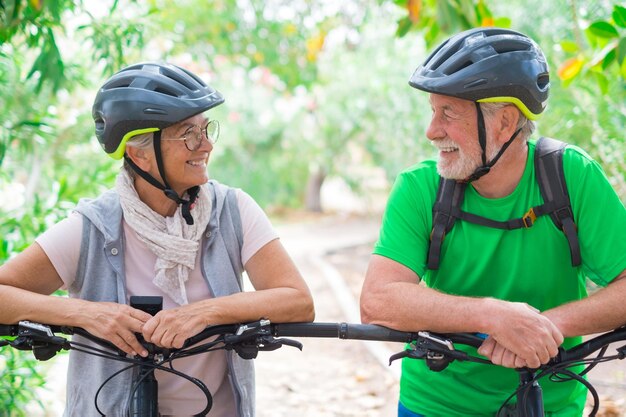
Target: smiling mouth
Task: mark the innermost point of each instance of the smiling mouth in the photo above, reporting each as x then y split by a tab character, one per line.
197	163
447	149
445	146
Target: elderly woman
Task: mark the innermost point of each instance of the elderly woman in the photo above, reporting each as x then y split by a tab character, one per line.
164	230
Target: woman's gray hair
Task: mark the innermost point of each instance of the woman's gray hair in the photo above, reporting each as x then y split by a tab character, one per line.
526	125
143	141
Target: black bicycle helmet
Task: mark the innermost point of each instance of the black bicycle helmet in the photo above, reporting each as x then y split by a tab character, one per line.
488	65
147	97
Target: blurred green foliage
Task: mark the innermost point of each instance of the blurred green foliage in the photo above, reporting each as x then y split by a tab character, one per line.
314	89
20	378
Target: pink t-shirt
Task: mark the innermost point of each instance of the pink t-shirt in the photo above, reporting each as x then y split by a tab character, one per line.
177	396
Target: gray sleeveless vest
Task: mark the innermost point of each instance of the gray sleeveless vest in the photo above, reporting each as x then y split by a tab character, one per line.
100	277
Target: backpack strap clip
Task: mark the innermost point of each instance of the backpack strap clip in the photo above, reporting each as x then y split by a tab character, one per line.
529	218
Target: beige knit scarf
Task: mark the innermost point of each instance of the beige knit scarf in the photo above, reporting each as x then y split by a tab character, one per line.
175	243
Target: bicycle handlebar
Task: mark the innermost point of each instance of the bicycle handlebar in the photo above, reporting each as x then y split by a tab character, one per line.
342	331
438	349
348	331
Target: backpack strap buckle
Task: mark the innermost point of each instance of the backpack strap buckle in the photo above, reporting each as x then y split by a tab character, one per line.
529	218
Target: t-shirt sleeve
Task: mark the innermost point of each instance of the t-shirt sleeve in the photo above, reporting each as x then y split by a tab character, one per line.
407	221
61	243
257	228
599	214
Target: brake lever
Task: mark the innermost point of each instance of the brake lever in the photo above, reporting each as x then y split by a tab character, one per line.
40	339
409	353
250	349
273	344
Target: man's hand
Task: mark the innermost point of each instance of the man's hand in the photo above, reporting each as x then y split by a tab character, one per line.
521	336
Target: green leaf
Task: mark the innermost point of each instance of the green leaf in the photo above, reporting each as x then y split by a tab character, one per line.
404	25
603	29
431	36
619	16
569	46
623	69
608	59
621	50
602	81
483	10
502	22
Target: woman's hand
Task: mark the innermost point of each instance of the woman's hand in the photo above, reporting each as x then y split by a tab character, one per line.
116	323
170	328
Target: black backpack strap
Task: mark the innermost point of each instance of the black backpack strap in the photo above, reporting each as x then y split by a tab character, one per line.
551	179
526	221
449	197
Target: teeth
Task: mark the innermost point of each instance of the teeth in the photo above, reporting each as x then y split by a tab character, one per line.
196	163
445	146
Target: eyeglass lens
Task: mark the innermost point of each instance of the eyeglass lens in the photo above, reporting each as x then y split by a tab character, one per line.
193	136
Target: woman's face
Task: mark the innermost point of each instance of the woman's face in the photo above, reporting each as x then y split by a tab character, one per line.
184	168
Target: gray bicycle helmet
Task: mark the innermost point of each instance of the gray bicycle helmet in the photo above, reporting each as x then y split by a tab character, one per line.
147	97
488	64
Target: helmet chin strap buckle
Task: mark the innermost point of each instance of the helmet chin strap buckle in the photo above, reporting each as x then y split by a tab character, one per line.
186	205
480	171
172	195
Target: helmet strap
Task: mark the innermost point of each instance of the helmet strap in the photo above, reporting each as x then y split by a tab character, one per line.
482	140
186	205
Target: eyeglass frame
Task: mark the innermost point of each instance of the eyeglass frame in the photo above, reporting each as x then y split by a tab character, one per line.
202	130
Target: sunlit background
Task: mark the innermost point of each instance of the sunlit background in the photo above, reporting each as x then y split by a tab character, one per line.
318	118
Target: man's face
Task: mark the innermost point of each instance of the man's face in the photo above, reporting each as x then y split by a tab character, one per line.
453	130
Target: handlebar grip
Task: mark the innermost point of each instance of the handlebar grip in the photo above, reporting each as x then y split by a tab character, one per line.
8	329
342	331
330	330
375	332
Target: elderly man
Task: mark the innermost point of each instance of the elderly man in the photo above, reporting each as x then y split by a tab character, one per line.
489	255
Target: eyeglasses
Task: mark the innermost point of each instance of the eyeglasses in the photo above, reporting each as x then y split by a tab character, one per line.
193	135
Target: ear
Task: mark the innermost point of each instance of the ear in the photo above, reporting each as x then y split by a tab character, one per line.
141	157
509	116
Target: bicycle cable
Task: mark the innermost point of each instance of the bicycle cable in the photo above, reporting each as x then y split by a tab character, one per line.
91	350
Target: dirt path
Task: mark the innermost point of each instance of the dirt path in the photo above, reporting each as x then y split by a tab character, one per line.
330	377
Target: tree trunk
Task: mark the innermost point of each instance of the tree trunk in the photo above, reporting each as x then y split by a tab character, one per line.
313	200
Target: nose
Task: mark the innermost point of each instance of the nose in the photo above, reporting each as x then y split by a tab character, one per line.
205	143
434	130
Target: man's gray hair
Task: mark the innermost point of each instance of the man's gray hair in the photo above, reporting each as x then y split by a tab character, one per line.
528	126
143	141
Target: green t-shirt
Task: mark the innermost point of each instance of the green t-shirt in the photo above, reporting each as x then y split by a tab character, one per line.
526	265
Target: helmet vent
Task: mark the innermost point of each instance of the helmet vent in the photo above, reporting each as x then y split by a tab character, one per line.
457	67
166	92
506	44
180	77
